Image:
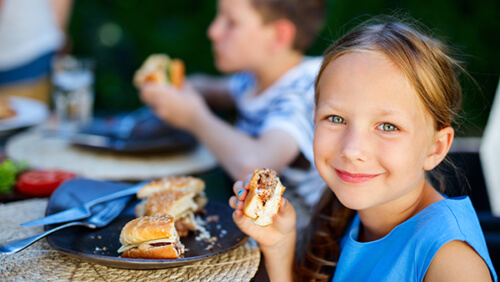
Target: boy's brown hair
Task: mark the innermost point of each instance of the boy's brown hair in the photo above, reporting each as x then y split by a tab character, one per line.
308	16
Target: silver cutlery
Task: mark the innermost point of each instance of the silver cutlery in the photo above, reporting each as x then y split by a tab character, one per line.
102	218
83	211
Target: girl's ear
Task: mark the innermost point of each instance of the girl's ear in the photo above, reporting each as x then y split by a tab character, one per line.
284	33
442	144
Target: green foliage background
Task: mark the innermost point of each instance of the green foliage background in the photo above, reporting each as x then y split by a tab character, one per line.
119	35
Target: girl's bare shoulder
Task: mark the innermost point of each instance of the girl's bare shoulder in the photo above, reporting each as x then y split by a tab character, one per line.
457	261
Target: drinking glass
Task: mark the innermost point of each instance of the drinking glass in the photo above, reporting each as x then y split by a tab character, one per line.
73	91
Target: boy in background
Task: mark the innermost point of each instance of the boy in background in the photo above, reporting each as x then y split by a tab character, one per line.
262	44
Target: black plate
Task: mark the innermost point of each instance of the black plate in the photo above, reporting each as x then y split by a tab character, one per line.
138	132
101	245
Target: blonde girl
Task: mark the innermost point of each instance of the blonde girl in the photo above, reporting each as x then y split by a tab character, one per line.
386	96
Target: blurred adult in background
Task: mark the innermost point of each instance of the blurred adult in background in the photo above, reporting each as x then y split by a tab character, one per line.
31	33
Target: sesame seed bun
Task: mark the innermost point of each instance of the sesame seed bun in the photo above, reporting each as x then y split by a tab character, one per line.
148	228
151	237
174	183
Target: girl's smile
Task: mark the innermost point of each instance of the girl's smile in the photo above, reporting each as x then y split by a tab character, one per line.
373	135
355	177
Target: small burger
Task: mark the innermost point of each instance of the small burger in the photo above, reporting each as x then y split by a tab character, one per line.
173	183
161	69
151	237
264	198
181	197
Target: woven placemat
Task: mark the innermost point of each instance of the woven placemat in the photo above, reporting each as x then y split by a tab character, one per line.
46	152
39	262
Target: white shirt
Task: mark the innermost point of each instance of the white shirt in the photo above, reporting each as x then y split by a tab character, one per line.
287	105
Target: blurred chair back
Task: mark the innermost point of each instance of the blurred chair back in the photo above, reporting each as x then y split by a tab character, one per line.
489	153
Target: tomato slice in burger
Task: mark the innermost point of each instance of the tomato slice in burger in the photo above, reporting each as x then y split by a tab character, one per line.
41	183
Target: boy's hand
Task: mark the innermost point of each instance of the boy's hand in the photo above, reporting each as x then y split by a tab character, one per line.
178	107
281	232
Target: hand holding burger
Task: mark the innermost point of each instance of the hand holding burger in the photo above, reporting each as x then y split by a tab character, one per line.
277	220
264	198
162	86
277	240
160	69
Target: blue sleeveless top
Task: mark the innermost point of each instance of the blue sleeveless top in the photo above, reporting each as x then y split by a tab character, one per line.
407	251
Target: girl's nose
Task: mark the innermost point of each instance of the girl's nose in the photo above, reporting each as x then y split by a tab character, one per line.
354	145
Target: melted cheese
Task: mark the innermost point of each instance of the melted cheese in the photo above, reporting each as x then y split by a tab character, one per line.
128	247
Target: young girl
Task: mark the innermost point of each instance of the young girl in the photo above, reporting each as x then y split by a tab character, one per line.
386	95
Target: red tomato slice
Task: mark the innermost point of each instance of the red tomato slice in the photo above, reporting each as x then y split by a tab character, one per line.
41	183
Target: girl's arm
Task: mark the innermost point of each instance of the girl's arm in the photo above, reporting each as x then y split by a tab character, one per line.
276	241
457	261
279	259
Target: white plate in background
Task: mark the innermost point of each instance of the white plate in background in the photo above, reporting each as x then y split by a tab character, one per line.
29	112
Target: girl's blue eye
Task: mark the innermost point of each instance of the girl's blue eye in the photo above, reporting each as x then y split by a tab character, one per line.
336	119
387	127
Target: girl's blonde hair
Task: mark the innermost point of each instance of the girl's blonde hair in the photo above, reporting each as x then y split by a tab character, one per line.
434	76
425	61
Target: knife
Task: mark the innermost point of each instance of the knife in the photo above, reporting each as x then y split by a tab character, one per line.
90	140
81	138
110	143
83	211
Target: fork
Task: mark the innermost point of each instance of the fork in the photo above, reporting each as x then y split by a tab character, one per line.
102	218
83	211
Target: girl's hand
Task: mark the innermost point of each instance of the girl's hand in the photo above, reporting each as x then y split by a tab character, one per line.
280	233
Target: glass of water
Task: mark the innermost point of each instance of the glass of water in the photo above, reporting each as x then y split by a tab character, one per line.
73	91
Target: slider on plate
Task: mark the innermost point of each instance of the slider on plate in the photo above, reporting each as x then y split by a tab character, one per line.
151	237
180	196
